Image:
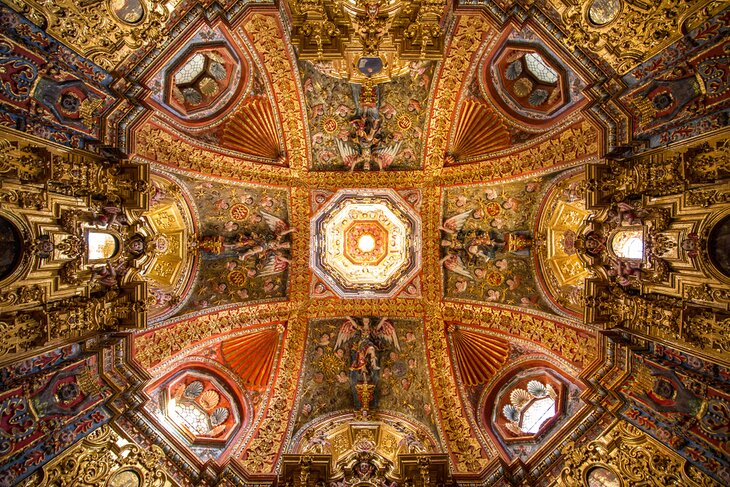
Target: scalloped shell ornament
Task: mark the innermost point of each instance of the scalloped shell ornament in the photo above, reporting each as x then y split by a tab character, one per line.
537	388
510	412
520	397
194	389
219	416
209	399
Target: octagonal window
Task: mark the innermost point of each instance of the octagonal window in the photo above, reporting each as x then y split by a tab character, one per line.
530	80
536	414
200	79
101	246
11	247
530	408
366	243
529	405
628	244
200	409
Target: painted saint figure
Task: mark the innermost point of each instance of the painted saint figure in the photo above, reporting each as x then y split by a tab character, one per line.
366	345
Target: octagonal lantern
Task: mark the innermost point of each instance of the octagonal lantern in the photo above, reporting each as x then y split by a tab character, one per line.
366	243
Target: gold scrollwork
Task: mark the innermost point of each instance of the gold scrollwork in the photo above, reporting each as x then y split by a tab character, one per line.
102	460
633	457
99	34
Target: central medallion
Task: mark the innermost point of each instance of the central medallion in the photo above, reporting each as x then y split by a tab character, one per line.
366	243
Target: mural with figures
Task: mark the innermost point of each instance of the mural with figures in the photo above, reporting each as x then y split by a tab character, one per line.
347	356
244	243
360	127
486	243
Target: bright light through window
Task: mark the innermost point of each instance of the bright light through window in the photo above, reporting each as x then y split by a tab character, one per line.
192	417
540	69
635	248
536	414
101	245
629	244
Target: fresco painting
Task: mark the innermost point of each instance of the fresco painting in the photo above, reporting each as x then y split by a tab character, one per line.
486	243
345	354
244	243
367	127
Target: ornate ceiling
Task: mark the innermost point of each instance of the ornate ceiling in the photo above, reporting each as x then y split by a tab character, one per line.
365	233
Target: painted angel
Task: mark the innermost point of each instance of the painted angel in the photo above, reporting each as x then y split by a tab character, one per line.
364	354
455	223
455	264
382	156
275	263
276	224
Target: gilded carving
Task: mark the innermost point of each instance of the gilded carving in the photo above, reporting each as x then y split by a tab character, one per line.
264	32
633	457
113	196
637	32
463	447
577	143
94	29
101	459
161	343
461	50
263	451
577	346
160	146
22	332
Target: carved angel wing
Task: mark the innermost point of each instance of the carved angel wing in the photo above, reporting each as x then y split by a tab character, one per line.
456	222
454	263
385	156
276	224
275	264
347	152
386	330
347	330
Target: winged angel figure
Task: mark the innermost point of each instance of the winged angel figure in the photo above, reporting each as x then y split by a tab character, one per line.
365	146
366	343
463	247
268	251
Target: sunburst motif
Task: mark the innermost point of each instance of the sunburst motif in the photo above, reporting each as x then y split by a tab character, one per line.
253	130
478	356
478	132
251	356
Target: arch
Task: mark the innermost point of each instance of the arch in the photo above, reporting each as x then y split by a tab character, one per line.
168	224
11	249
560	273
